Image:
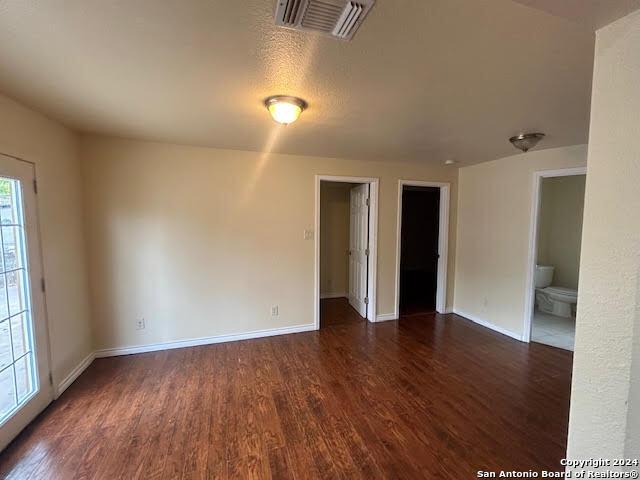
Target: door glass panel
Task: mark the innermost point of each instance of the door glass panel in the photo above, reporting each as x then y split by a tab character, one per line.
9	211
11	237
23	377
6	358
20	334
16	290
4	305
18	378
8	399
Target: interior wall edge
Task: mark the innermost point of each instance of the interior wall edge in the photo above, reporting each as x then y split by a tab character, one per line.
604	416
74	374
54	149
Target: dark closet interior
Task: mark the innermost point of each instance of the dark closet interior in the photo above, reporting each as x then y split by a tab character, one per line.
419	249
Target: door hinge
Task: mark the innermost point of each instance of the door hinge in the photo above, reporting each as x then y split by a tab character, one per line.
366	300
43	285
51	379
366	252
35	186
367	202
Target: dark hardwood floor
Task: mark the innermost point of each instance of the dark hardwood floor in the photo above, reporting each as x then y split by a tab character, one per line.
425	397
337	311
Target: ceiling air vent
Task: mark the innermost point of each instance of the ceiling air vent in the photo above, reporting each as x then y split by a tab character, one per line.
287	12
337	18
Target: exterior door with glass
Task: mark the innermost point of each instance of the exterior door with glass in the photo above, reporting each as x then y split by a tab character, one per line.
25	385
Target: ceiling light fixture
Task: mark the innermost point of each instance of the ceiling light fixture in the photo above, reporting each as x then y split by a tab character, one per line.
526	141
285	109
450	162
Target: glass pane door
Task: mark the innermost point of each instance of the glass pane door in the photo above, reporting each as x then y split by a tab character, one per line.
26	382
18	377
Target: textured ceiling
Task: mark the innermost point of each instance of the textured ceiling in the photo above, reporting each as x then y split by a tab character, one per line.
592	14
423	80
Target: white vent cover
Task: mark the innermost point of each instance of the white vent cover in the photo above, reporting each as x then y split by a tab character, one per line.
337	18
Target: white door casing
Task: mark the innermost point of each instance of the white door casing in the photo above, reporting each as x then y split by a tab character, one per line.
532	260
27	346
373	183
358	248
443	242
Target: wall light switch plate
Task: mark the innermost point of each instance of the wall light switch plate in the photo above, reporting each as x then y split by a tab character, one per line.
308	234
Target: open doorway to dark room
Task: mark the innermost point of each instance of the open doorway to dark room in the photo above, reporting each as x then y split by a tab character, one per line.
419	249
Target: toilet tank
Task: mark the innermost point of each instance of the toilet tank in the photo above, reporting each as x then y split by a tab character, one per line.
544	276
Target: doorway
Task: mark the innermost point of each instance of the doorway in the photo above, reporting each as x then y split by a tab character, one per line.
555	257
346	219
422	247
25	383
419	249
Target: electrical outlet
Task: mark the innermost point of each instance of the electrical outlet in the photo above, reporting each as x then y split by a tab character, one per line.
140	324
274	311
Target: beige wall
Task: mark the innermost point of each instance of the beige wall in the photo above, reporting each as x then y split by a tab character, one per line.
54	150
560	231
202	242
494	215
605	398
334	238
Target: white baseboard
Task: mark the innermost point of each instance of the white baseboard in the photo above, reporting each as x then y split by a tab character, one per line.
447	310
75	373
386	317
154	347
112	352
487	324
334	295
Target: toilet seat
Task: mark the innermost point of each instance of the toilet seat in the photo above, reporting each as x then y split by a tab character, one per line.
561	294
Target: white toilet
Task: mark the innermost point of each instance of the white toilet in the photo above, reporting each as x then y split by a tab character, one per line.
558	301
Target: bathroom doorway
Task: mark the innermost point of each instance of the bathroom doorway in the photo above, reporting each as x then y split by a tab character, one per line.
555	254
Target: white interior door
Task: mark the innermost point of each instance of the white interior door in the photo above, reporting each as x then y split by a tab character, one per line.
359	248
25	387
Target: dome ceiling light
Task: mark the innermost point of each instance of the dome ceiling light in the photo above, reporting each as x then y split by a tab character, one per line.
526	141
285	109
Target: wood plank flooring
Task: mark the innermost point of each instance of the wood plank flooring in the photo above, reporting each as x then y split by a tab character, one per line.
425	397
337	311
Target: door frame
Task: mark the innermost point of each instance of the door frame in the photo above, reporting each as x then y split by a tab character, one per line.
532	254
443	241
373	243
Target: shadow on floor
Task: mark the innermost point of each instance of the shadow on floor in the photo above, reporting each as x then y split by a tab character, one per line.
337	311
